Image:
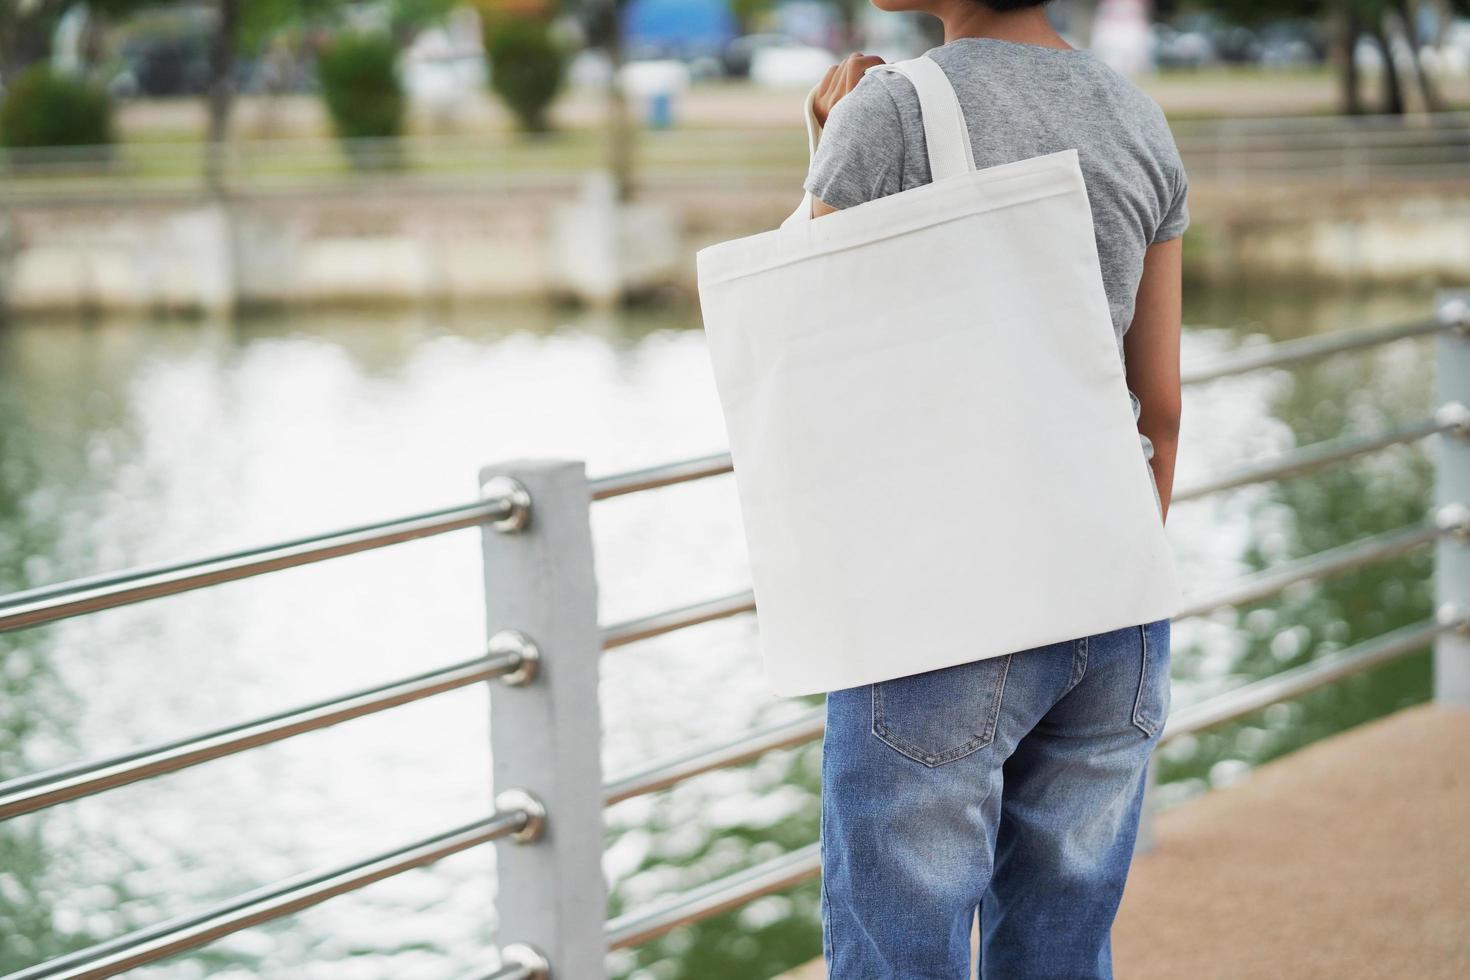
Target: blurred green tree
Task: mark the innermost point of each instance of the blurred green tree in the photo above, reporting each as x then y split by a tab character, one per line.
44	108
527	67
363	93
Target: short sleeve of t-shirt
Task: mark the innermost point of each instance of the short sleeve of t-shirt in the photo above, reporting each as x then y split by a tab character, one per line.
861	154
1176	218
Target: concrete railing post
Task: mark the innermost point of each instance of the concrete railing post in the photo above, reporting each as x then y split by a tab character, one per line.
546	734
1451	497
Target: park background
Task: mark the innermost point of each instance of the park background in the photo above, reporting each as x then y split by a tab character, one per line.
270	267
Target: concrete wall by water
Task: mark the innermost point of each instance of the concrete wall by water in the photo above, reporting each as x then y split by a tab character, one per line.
367	246
1388	235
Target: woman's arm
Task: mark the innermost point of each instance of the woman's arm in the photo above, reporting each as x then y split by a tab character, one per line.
1151	351
840	79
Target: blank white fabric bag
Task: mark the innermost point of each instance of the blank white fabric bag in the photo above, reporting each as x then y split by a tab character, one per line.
934	447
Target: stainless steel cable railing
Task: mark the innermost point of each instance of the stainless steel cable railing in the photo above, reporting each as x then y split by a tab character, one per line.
47	604
1452	418
1318	455
27	794
646	627
667	475
1293	352
1310	676
668	772
796	866
1356	554
274	901
718	896
34	607
1251	588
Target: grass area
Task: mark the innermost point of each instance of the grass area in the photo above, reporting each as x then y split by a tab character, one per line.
729	128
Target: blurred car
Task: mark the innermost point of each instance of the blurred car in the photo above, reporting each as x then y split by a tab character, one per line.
796	66
1454	55
1231	42
160	51
740	52
1173	48
1370	57
589	68
1292	44
445	64
161	66
652	77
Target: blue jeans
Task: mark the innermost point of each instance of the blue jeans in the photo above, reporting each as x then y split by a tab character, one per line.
1011	786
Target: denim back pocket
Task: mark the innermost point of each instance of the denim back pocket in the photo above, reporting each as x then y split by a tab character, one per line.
1151	705
941	715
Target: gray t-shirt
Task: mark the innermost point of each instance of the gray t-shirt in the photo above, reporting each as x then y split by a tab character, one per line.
1021	101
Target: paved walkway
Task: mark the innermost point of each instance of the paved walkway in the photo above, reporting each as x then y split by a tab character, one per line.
1347	860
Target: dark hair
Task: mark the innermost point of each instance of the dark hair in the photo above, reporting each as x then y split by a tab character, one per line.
1006	6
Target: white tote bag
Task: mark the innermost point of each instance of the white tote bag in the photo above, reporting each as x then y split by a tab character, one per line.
934	447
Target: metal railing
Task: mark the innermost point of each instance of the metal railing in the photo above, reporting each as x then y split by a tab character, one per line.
1352	151
541	602
50	603
283	898
36	792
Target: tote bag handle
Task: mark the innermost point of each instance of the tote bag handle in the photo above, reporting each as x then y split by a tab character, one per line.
946	134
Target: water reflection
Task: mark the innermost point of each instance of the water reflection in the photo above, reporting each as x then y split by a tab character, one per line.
128	442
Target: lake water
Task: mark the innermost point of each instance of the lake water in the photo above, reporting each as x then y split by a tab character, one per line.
126	442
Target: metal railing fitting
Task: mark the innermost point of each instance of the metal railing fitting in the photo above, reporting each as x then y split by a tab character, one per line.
514	493
1453	618
1454	312
1455	419
522	649
191	931
527	803
26	794
1454	520
520	961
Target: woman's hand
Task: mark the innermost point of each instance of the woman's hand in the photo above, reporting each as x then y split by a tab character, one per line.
840	79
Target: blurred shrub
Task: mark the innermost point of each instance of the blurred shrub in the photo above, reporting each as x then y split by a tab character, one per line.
526	67
362	90
43	108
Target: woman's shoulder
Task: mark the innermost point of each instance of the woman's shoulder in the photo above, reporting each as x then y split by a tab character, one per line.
863	147
874	100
